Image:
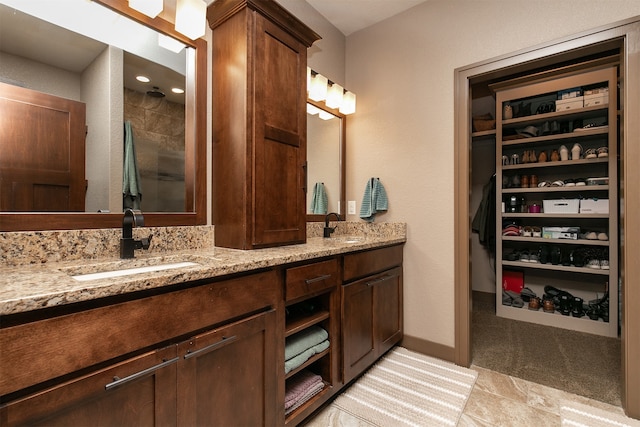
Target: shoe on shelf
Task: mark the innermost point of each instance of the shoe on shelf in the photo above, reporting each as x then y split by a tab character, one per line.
591	235
533	181
555	156
593	263
524	256
603	152
542	157
555	255
536	232
603	236
581	182
543	254
570	182
527	232
564	153
576	151
590	153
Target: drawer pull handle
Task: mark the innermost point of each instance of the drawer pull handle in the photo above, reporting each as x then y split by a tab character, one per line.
224	341
381	279
317	279
120	381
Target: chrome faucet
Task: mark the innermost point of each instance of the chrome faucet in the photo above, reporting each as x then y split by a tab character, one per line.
127	243
328	230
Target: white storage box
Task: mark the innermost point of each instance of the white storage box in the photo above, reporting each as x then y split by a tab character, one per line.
570	103
596	99
594	206
561	232
570	206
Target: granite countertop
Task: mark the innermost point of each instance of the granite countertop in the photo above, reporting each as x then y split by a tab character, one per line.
33	287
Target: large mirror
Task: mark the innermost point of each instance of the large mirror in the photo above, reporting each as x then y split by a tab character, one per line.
326	132
80	69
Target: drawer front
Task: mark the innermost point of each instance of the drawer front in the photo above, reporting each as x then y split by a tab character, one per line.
311	279
362	264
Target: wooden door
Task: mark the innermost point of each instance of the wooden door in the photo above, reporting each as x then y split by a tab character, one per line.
137	392
42	150
228	376
280	137
358	339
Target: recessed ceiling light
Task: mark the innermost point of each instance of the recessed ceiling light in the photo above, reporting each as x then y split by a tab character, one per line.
143	79
177	90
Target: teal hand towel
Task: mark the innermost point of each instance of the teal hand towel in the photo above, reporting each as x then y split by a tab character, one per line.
374	200
131	188
298	343
319	201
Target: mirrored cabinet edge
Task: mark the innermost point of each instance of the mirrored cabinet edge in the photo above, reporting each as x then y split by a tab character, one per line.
342	167
195	152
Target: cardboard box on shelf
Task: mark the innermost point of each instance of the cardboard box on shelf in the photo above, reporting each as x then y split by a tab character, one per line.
596	99
594	206
571	233
561	206
570	103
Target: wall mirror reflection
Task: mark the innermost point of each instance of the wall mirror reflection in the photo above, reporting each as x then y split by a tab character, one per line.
80	93
325	161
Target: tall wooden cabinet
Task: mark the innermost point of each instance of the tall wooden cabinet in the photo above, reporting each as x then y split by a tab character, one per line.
563	243
259	55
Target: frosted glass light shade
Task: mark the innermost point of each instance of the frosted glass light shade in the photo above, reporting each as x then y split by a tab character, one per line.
308	78
191	18
348	103
325	115
151	8
318	89
312	109
334	96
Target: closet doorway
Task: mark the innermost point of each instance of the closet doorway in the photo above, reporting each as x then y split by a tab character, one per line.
622	37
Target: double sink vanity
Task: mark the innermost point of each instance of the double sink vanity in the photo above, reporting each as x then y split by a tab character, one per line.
194	337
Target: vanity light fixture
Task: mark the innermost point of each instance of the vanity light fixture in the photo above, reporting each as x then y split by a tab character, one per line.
191	18
312	109
151	8
324	115
319	88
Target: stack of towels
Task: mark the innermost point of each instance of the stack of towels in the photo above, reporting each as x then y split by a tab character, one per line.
301	346
300	388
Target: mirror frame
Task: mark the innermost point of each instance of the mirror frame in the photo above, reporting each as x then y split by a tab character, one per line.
195	154
343	150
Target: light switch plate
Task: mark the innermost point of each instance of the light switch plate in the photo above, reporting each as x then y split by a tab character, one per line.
351	208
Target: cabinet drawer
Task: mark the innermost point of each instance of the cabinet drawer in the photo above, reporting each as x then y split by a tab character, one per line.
370	262
310	279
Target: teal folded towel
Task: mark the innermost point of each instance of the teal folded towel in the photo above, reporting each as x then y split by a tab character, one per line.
298	360
374	200
296	344
319	200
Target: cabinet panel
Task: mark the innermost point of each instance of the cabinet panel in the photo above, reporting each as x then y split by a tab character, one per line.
388	309
226	376
369	262
136	392
357	328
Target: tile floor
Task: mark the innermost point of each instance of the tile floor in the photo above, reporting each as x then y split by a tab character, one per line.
496	400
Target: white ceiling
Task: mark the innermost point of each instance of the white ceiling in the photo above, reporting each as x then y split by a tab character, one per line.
350	16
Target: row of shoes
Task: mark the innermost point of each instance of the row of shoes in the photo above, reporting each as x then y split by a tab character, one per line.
556	155
588	257
562	301
526	231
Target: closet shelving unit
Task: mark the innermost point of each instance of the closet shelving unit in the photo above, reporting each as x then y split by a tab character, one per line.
583	282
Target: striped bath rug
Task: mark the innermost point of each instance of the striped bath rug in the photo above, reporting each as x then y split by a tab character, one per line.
408	388
578	415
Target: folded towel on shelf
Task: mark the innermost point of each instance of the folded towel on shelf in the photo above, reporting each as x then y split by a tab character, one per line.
294	362
298	343
374	200
317	388
319	200
299	385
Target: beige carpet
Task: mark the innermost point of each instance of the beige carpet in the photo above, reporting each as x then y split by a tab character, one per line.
577	415
576	362
408	388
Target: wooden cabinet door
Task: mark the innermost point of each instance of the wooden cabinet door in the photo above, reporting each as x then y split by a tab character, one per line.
357	328
280	136
387	291
227	376
137	392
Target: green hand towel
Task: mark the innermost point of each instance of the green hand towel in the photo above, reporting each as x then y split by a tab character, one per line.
374	200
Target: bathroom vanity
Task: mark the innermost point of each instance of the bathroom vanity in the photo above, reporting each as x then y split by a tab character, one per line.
199	343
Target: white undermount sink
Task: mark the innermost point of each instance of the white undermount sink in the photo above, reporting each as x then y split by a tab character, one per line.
121	268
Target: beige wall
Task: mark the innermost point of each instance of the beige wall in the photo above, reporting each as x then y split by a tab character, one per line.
402	71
